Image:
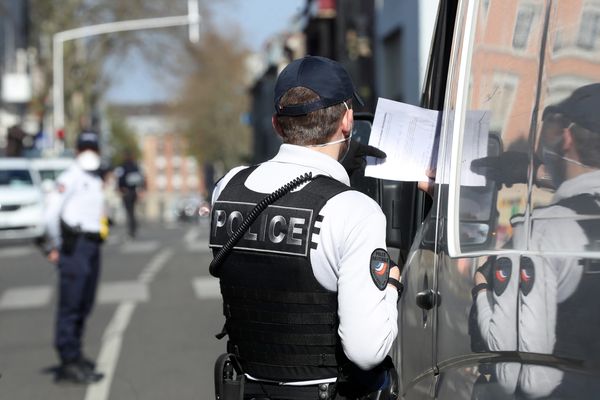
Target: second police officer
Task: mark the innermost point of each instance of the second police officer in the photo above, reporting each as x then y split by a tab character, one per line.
73	219
309	290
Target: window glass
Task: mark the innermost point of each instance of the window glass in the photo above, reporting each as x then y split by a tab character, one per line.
15	177
531	77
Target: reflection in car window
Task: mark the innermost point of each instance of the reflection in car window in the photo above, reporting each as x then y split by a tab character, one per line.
15	177
507	80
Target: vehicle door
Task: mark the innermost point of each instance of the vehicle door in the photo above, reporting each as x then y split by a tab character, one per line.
511	60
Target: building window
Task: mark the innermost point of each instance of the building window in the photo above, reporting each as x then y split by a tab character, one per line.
523	26
588	30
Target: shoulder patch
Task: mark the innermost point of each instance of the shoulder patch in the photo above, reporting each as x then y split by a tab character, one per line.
61	188
502	273
380	268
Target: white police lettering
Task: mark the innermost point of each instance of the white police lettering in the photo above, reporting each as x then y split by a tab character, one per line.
278	229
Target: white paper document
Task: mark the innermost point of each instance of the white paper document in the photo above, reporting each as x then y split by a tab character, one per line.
409	135
406	133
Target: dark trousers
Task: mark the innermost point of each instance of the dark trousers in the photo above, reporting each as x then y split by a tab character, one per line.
129	200
78	279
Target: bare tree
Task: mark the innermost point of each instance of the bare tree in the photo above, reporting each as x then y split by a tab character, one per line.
214	100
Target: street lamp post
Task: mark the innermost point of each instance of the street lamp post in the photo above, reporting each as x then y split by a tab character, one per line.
192	19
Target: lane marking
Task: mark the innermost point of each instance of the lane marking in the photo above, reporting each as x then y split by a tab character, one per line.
154	266
117	292
207	288
112	341
191	235
25	297
113	335
139	247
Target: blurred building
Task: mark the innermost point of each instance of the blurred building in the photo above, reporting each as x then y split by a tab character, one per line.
383	44
171	175
15	77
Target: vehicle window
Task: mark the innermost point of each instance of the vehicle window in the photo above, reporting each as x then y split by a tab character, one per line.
531	71
15	177
49	174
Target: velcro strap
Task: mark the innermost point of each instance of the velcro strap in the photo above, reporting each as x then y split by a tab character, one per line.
243	314
302	339
271	296
320	360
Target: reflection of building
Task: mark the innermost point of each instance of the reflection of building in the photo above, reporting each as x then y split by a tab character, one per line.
505	65
171	173
384	45
508	79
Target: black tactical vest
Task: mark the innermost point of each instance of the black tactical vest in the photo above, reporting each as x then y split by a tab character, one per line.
578	317
282	324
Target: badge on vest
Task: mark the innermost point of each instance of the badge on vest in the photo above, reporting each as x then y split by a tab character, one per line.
279	229
380	268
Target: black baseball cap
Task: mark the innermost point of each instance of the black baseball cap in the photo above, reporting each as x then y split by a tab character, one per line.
581	107
326	77
88	141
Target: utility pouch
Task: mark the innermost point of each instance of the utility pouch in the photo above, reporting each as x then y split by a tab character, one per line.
69	237
229	378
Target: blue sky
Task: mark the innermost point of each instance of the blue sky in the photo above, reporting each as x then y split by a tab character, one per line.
259	19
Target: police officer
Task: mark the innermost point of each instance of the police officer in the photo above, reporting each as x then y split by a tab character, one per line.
309	289
73	220
130	181
555	295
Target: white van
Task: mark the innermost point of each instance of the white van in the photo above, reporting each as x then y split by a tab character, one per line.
502	279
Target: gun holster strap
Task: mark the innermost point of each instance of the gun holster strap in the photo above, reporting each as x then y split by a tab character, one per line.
229	379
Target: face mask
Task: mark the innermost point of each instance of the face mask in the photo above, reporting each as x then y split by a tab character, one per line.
88	160
345	140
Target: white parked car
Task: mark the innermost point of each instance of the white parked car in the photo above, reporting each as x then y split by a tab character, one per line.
49	169
21	200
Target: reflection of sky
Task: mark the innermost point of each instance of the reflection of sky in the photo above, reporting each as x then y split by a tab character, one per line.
136	82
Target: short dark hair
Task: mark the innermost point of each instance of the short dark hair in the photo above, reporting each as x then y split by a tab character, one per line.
313	128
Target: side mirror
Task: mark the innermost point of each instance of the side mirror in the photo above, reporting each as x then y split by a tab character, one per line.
478	214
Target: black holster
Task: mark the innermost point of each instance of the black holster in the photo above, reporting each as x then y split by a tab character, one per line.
229	378
350	386
69	236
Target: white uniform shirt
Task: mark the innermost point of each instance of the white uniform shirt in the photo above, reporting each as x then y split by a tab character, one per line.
78	201
353	227
556	279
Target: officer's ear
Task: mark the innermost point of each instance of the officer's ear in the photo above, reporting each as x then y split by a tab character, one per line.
567	139
347	122
276	126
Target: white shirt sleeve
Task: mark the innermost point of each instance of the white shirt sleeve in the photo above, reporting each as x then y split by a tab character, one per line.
55	203
353	227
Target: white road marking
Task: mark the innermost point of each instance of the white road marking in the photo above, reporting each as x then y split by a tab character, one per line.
139	247
113	335
109	353
191	235
154	266
17	251
25	297
207	288
117	292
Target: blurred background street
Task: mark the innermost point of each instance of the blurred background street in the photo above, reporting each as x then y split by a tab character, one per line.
152	330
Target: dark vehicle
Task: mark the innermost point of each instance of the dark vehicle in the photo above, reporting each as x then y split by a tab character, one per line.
501	277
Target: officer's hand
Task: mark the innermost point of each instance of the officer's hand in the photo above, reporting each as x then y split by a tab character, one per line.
355	159
507	169
53	256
